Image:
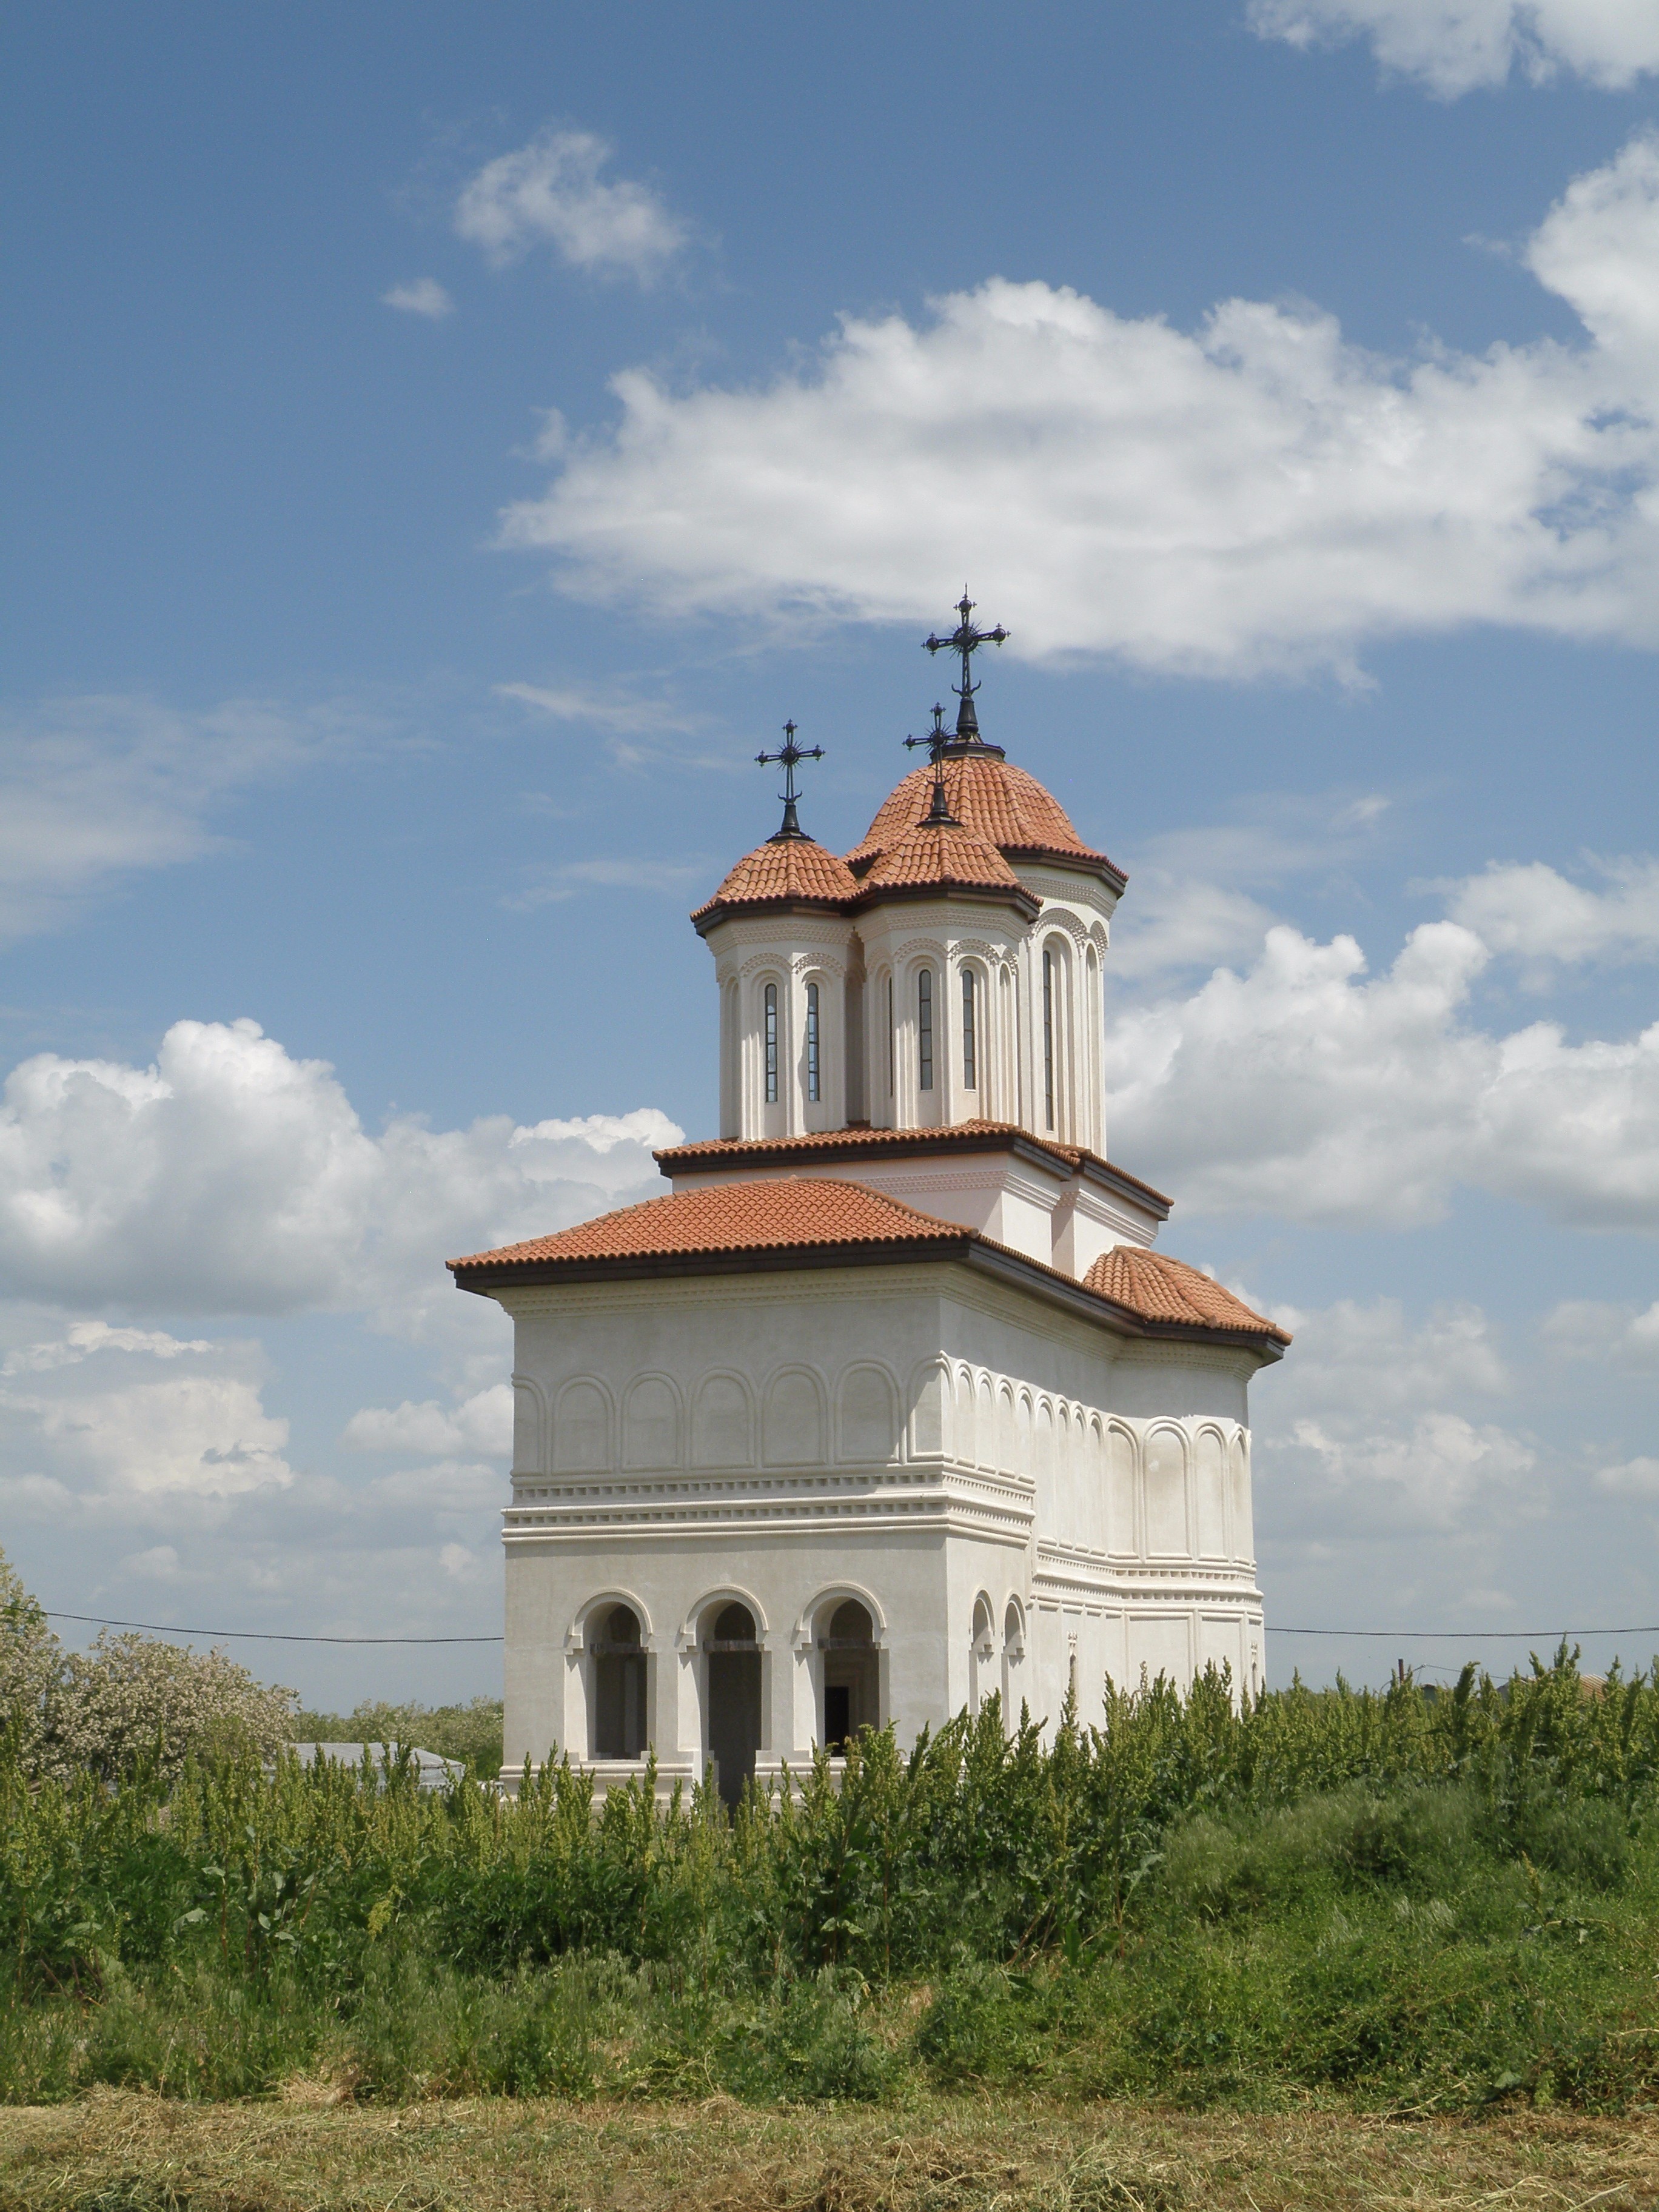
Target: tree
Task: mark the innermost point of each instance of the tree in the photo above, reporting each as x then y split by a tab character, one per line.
30	1670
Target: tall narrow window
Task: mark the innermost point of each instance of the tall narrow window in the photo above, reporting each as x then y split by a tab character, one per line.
772	1042
968	1039
925	1028
889	1036
813	1041
1048	1039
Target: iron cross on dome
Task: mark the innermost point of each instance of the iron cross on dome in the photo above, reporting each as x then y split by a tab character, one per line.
790	754
966	639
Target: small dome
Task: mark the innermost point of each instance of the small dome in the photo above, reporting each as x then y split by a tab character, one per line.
1005	806
944	856
784	871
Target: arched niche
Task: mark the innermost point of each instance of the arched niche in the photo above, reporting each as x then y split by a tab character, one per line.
651	1424
791	1428
723	1423
581	1428
1210	1486
529	1439
1121	1536
1165	1463
867	1416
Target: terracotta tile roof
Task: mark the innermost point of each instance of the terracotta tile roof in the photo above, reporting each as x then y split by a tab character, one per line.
1158	1288
816	1219
973	1135
784	871
1004	805
948	856
803	1213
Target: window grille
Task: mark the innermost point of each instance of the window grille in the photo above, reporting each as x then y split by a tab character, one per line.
968	1039
813	1041
772	1044
925	1028
889	1036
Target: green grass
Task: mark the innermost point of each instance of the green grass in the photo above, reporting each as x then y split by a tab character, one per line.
1397	1905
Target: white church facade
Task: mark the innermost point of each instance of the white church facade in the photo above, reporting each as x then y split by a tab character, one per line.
889	1403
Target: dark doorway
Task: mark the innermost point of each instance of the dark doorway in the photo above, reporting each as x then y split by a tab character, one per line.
619	1686
734	1700
852	1690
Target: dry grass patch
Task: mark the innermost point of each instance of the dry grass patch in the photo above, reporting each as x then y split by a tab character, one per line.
122	2152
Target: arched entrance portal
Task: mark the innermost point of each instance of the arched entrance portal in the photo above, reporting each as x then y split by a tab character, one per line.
618	1686
852	1689
734	1699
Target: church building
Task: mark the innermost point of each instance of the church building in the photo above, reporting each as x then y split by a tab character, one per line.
890	1403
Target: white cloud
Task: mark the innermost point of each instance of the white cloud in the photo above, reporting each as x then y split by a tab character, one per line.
1303	1087
1635	1478
620	712
203	1431
1377	1425
550	192
568	879
1618	1336
482	1423
425	296
83	1338
1257	495
229	1178
1544	918
1193	906
93	788
1454	46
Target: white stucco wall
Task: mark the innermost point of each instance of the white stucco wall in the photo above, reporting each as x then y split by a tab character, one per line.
921	1437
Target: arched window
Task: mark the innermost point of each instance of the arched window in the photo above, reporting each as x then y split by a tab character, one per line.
968	1039
618	1686
1048	1039
889	1036
925	1028
813	1041
852	1688
772	1042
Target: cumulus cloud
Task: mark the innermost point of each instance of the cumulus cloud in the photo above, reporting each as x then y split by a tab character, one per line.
425	296
95	788
550	192
1545	919
1381	1424
228	1177
1454	46
482	1423
1621	1336
119	1431
1303	1086
1258	494
1636	1478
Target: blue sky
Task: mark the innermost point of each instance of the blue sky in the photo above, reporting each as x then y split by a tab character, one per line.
445	445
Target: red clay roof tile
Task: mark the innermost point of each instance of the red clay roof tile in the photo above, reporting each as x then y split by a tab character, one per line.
805	1212
784	871
1161	1289
948	855
1001	803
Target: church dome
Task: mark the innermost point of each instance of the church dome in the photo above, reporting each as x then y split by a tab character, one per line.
1007	808
786	871
945	856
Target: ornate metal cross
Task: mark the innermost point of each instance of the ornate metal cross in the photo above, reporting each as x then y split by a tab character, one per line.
966	639
791	755
936	740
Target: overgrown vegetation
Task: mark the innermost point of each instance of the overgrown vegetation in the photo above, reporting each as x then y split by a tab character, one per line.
1395	1900
471	1732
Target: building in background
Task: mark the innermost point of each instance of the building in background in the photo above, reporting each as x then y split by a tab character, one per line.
890	1405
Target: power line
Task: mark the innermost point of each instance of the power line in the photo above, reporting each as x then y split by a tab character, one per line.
1463	1635
260	1635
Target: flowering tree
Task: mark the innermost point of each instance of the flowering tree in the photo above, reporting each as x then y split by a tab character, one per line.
129	1698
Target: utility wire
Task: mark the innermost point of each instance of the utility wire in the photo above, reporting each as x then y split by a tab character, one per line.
1394	1635
261	1634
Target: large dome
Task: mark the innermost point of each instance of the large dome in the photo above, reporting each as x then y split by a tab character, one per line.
986	794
